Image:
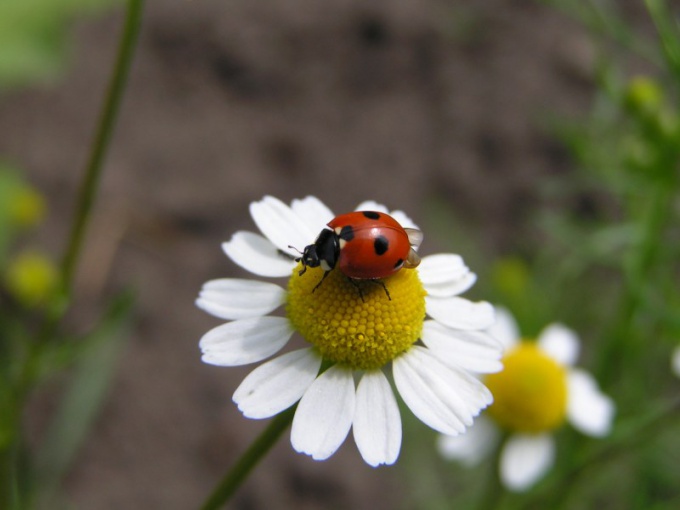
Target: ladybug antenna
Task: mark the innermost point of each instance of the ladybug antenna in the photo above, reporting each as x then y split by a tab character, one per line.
297	259
300	259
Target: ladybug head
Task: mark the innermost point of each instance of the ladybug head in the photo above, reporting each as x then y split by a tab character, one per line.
324	252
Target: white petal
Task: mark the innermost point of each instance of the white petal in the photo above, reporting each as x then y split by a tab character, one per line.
372	205
400	216
525	459
377	423
560	343
324	415
281	225
257	255
460	313
403	220
233	298
444	398
445	274
588	409
277	384
473	446
504	329
472	350
245	341
675	361
313	212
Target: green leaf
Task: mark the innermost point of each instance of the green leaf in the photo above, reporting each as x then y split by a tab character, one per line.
10	184
34	36
83	397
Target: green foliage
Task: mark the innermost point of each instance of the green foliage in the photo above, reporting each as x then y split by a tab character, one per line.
35	346
608	265
34	37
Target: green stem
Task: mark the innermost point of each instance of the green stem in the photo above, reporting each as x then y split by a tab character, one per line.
93	169
249	460
642	262
493	489
624	442
23	382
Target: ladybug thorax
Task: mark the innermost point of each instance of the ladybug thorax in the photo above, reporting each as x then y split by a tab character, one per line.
324	252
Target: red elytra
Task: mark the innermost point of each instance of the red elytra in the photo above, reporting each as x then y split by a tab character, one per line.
372	244
363	245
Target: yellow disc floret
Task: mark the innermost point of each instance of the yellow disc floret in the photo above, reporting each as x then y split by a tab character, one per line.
354	322
530	394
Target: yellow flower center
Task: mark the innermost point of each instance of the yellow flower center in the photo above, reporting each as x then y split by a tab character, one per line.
353	322
530	394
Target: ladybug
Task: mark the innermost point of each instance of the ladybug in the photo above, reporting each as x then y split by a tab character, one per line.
363	245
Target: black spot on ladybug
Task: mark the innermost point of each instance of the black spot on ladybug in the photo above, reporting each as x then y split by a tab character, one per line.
372	215
399	263
380	245
347	233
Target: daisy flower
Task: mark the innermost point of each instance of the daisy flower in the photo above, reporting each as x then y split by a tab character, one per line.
352	339
538	391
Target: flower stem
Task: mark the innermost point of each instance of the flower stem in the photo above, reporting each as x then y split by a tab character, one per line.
493	489
249	460
629	436
93	168
642	261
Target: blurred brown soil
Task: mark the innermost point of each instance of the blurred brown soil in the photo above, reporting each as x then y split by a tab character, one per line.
402	102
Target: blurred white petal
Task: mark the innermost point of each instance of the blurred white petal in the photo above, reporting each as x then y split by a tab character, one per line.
560	343
472	447
525	459
504	329
588	409
675	361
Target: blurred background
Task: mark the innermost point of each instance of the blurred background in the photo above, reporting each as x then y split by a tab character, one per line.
445	109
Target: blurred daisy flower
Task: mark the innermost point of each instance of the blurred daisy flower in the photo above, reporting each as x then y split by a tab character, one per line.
538	391
340	377
31	278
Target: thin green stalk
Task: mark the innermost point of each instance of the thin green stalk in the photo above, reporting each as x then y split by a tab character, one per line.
669	34
107	119
88	187
493	490
23	382
624	442
249	460
622	338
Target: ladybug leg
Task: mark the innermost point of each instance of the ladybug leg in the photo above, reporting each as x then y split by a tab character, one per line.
358	287
357	284
387	292
320	281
